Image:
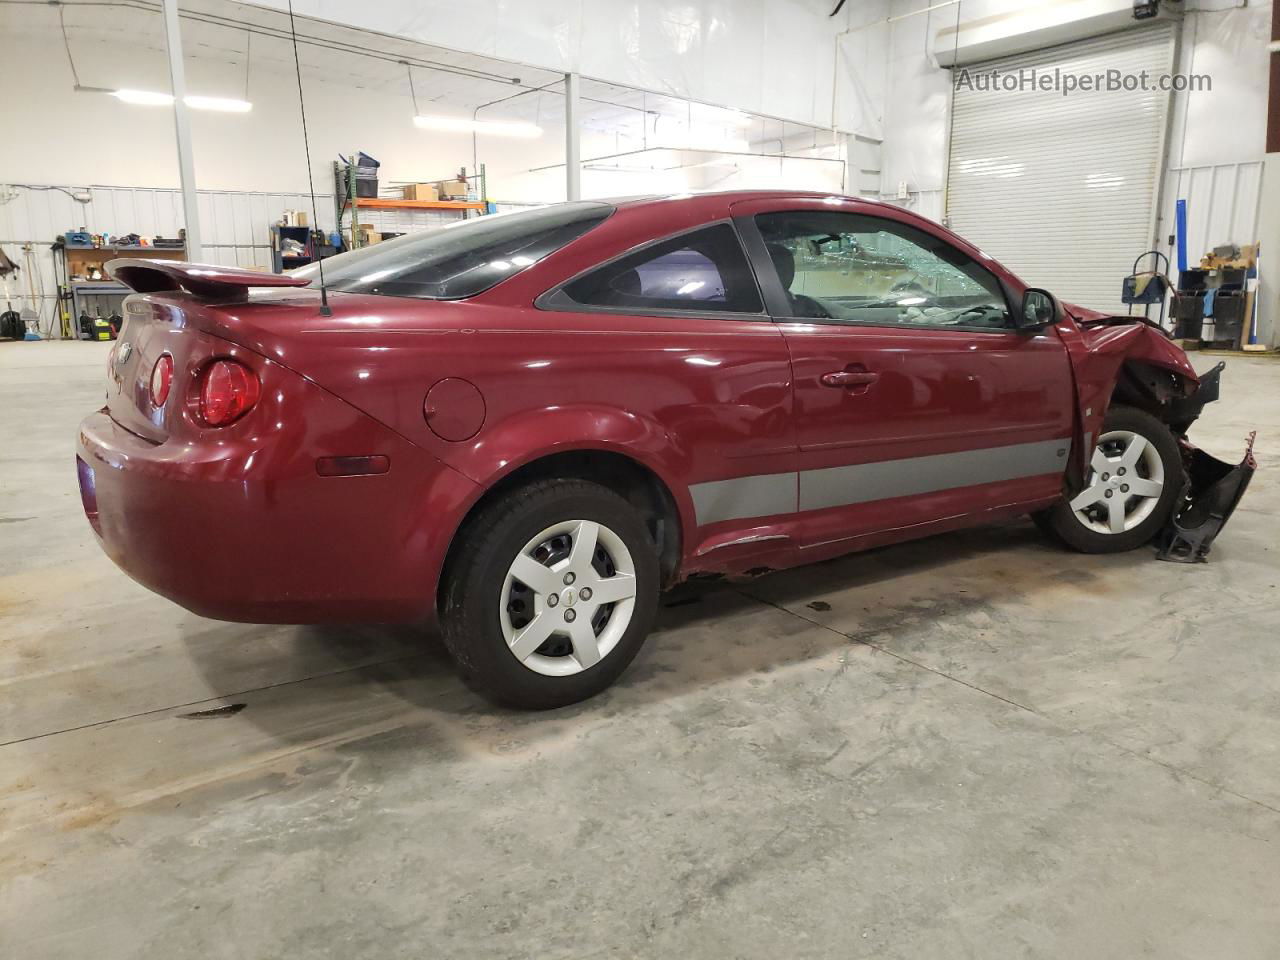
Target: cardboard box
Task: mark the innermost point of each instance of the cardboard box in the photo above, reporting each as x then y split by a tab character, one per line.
369	234
421	191
1248	257
453	189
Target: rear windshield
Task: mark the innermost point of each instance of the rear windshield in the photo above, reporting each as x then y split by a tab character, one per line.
460	260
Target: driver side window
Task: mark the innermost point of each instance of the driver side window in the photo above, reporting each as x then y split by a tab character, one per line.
854	269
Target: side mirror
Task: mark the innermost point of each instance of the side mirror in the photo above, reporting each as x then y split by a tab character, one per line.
1039	309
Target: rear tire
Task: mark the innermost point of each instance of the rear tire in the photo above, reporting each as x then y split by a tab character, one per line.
1135	477
514	612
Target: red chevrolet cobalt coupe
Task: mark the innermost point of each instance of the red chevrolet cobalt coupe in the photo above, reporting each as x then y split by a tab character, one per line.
529	425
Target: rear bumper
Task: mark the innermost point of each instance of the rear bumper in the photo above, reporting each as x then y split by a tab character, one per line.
243	528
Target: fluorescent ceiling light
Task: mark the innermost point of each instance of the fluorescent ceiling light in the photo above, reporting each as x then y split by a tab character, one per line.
143	98
149	98
222	104
498	128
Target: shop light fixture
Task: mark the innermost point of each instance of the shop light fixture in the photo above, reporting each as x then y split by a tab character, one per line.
497	128
221	104
149	98
143	98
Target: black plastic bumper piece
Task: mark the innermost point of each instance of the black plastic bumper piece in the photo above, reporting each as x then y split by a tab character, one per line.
1213	490
1184	410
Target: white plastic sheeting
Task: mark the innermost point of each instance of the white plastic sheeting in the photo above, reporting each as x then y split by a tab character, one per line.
861	66
1226	124
917	95
773	57
358	99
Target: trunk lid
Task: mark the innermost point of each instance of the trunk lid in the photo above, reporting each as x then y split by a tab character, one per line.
173	313
376	352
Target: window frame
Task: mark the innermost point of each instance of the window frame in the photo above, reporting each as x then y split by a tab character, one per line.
556	298
775	297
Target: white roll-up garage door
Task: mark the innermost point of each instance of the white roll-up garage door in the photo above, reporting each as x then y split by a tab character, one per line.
1062	189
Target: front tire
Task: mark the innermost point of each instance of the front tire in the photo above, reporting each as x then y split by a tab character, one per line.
1135	477
550	594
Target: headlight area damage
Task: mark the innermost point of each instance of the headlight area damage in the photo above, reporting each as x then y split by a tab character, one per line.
1213	487
1152	373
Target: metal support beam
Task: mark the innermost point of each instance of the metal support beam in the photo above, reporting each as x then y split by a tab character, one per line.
182	126
572	139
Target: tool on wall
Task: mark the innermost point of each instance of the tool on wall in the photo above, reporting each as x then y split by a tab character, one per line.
11	325
63	293
31	312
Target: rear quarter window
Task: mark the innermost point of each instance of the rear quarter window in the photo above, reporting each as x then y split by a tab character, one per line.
704	270
462	259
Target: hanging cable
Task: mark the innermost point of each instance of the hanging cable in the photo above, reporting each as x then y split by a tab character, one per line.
412	92
306	144
62	22
248	46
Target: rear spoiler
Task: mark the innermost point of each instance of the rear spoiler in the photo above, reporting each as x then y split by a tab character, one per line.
204	280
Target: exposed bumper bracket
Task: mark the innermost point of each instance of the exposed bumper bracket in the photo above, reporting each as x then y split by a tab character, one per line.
1211	493
1183	411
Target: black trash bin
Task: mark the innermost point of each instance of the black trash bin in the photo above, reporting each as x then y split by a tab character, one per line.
1188	315
1228	314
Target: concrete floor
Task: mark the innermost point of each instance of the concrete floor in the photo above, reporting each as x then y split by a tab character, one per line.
973	746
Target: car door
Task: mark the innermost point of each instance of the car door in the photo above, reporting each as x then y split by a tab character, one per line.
916	401
689	348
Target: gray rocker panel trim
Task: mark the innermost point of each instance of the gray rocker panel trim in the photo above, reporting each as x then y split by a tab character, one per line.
764	495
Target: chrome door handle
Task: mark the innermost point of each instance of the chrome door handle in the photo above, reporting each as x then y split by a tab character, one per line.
849	378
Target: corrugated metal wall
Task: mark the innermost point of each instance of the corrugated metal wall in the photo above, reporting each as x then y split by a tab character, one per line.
236	226
1224	205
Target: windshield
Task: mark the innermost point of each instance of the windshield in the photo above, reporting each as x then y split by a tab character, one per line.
460	260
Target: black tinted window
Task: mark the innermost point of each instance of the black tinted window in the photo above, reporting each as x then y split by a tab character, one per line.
702	270
459	260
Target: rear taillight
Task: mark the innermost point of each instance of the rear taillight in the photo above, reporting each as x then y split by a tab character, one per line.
228	389
161	379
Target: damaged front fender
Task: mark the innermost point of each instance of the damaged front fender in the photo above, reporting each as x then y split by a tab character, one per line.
1210	495
1121	359
1132	361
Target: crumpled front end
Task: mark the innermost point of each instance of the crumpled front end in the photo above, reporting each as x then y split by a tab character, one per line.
1212	491
1131	360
